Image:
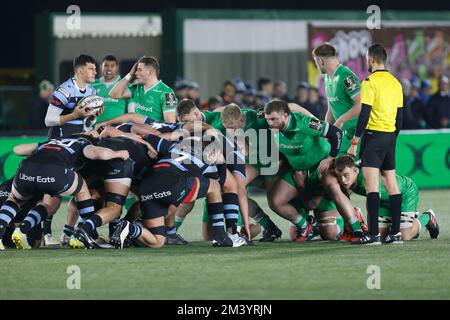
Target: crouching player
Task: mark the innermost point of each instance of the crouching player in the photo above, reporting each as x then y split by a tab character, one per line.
51	170
351	179
182	176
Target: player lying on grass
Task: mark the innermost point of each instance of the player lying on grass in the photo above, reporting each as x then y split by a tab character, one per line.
351	179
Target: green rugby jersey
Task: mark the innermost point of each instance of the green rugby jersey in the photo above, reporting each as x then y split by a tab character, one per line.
113	107
406	186
154	102
339	90
302	141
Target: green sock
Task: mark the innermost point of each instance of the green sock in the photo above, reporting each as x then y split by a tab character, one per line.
423	218
178	222
300	221
262	219
354	224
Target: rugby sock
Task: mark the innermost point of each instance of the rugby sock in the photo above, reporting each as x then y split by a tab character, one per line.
178	222
171	231
215	211
231	211
423	218
7	212
263	219
47	225
34	217
355	224
396	212
68	230
300	221
135	231
373	205
91	224
86	209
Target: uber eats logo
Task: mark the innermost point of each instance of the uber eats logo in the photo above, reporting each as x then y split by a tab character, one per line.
155	195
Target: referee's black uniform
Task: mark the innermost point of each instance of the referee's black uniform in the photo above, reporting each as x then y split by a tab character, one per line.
382	102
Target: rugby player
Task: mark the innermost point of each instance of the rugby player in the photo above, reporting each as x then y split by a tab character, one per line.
149	95
351	179
52	170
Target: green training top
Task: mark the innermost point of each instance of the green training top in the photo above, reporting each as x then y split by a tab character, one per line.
113	107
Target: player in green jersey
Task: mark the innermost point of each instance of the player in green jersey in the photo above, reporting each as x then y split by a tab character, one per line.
148	95
351	179
343	90
110	77
301	141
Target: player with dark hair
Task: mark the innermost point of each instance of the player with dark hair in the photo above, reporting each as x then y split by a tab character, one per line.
301	141
66	116
380	119
110	77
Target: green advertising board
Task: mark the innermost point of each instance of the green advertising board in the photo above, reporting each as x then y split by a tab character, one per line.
9	161
422	155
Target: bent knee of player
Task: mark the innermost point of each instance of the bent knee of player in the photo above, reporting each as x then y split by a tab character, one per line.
230	184
328	228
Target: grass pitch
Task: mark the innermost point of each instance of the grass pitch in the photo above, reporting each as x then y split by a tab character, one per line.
280	270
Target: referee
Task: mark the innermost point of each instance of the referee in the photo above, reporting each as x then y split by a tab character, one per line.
381	119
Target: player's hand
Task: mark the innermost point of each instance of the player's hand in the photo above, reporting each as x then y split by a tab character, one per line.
152	153
94	133
133	71
352	151
81	112
123	154
299	179
325	164
99	125
247	230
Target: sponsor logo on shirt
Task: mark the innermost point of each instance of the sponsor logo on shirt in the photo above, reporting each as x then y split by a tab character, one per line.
170	99
350	83
315	124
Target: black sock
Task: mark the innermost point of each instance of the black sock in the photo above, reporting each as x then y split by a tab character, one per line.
86	209
231	211
396	212
91	224
33	218
215	211
47	225
7	212
372	205
68	230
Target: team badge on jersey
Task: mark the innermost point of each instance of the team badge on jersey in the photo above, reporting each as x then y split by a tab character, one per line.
170	99
350	83
315	124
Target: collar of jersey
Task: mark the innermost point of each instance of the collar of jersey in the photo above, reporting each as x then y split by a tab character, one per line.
145	91
384	70
76	85
339	65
